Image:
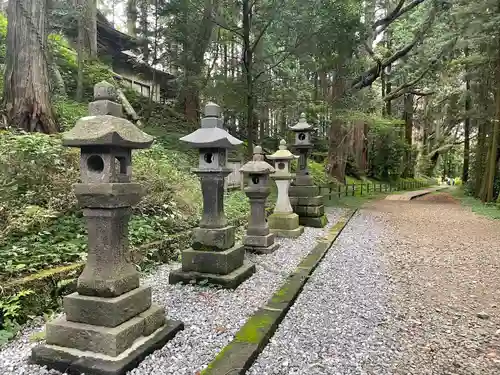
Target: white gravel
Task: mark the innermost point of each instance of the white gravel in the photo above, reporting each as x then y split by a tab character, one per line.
211	316
336	326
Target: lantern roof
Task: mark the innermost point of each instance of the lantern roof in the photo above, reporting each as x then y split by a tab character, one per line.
211	134
106	130
283	153
257	165
302	125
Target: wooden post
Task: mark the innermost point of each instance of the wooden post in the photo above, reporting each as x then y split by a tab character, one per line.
361	191
339	189
353	189
330	193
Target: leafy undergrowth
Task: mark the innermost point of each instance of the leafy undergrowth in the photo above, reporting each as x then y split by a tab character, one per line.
41	223
490	210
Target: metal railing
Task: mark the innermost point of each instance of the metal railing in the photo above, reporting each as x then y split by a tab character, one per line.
360	189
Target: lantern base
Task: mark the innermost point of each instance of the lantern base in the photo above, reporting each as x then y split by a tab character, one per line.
285	225
76	362
229	281
314	222
263	250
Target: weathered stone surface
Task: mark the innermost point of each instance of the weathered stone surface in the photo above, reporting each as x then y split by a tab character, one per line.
309	211
106	130
211	134
288	233
313	222
304	191
283	205
105	91
263	250
213	239
218	262
108	195
283	221
105	107
73	361
107	312
307	201
259	241
109	271
154	318
229	281
97	339
212	187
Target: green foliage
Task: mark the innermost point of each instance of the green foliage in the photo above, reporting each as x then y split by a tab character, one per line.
386	151
66	59
41	223
68	112
11	310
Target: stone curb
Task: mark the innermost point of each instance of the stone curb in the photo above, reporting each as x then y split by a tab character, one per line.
239	355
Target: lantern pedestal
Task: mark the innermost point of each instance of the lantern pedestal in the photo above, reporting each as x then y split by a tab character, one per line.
230	281
76	361
308	204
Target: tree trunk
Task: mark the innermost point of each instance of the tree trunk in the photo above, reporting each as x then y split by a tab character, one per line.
408	119
132	17
87	39
26	81
465	174
247	59
144	29
487	189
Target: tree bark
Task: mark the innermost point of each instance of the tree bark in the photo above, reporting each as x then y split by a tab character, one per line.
487	189
26	80
465	173
132	17
408	119
86	40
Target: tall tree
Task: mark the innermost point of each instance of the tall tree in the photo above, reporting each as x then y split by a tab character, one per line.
87	38
26	80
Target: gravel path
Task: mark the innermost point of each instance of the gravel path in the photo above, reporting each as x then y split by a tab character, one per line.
445	267
211	316
336	324
408	288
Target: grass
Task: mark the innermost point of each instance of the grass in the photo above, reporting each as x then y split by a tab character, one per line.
489	209
354	202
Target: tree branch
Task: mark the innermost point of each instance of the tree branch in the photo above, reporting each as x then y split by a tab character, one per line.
395	14
228	28
390	17
268	23
369	76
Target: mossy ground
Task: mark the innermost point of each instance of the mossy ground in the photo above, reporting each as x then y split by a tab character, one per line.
490	210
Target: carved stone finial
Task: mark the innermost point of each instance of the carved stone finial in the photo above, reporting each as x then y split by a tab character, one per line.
105	91
258	154
212	110
282	145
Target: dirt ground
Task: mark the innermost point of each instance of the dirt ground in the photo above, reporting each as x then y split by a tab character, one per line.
444	266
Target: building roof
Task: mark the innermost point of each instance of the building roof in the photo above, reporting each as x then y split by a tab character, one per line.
121	46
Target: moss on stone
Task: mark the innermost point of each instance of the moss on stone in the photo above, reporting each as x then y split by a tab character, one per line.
256	328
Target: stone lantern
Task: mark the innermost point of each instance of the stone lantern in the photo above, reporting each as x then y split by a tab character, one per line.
110	323
258	238
214	256
305	197
283	222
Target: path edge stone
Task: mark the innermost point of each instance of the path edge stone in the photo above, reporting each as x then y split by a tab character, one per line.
251	339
